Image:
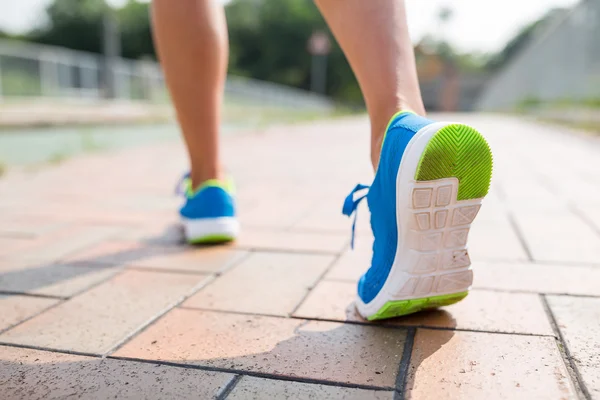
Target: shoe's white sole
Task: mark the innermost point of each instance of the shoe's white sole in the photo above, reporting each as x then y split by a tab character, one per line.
210	230
432	265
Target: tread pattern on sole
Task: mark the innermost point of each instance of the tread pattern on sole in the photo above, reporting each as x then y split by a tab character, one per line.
399	308
458	151
452	176
211	239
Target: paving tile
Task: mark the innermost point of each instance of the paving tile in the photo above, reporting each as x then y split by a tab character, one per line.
155	233
353	263
481	310
528	194
114	252
268	214
559	237
292	241
578	319
14	309
326	217
494	240
290	347
152	256
29	227
205	259
35	375
331	300
473	365
250	388
254	285
97	320
539	278
493	208
49	279
591	214
10	245
60	244
489	311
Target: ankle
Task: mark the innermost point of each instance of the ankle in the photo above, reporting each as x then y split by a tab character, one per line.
379	127
201	175
376	144
378	131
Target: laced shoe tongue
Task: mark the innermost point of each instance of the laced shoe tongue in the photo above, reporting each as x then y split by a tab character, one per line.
183	185
351	206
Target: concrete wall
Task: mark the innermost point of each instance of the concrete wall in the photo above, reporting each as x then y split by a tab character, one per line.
561	61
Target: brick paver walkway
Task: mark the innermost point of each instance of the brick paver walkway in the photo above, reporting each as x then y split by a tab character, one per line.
99	298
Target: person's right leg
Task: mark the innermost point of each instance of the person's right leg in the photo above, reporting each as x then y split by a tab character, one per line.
374	37
430	177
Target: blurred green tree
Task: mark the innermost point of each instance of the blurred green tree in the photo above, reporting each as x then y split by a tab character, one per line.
76	24
268	39
136	31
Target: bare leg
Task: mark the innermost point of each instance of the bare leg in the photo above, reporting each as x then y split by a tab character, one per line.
191	40
192	43
374	37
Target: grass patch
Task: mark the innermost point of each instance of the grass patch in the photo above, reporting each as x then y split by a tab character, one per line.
532	102
57	158
253	115
591	128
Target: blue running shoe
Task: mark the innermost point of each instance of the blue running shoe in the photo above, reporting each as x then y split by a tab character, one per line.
208	215
427	190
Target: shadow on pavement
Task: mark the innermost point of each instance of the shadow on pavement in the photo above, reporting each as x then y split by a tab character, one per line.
189	366
23	275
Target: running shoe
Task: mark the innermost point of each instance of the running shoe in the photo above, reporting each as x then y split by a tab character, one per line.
208	215
428	189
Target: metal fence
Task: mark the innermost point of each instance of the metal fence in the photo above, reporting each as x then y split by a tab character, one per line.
561	62
35	71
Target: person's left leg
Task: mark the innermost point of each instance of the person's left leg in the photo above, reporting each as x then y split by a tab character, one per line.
191	40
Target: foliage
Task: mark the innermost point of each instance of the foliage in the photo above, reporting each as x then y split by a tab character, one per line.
20	83
269	41
530	102
268	38
466	62
136	33
76	24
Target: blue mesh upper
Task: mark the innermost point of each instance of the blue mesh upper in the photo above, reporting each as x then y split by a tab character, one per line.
209	202
382	203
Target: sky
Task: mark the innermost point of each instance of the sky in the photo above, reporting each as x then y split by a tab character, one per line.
476	25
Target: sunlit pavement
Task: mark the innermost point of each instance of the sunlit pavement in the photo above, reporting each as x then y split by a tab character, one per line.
99	298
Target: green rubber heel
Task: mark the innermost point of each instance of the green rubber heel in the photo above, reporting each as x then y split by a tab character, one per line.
212	239
399	308
458	151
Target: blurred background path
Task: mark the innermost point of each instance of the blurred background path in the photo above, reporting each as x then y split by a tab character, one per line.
92	265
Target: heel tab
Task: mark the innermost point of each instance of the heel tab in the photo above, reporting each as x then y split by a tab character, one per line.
226	185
